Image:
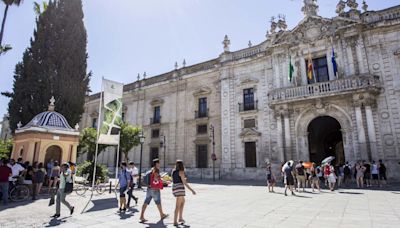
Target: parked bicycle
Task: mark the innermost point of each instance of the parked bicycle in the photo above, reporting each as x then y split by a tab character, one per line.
82	186
18	192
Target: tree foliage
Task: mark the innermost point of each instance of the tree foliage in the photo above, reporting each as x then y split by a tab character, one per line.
87	142
54	65
128	139
6	148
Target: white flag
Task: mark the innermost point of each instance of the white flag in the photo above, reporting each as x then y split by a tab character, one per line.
112	119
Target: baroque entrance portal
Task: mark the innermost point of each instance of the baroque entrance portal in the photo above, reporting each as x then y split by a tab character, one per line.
325	139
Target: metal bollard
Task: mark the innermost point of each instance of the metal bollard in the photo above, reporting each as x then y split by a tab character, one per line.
110	188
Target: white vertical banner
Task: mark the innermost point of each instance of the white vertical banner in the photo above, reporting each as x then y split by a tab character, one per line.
112	118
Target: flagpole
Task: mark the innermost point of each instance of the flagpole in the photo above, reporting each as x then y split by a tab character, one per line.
116	165
97	138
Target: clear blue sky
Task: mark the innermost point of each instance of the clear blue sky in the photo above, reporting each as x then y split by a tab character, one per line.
127	37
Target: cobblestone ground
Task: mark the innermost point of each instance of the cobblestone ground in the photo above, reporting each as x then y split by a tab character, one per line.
223	205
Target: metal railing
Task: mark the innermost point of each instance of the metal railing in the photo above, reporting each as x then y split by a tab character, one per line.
155	120
248	106
328	88
198	114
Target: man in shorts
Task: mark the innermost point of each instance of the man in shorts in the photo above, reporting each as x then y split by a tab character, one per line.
300	175
153	194
124	179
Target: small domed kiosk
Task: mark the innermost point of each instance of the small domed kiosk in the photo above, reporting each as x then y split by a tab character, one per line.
48	136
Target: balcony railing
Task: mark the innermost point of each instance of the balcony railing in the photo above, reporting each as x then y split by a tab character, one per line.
243	107
328	88
198	115
156	120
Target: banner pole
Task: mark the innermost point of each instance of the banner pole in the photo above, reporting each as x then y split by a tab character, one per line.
116	163
97	138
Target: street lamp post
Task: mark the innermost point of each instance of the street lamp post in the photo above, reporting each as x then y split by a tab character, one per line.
141	139
164	145
213	156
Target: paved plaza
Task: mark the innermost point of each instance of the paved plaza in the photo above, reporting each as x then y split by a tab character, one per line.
226	204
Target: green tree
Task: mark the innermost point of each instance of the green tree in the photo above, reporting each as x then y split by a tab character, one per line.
128	139
6	148
8	3
54	65
87	143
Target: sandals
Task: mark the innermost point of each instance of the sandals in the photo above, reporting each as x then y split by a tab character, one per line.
182	222
164	216
142	220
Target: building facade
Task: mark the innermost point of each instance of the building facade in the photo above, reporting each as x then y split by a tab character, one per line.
347	108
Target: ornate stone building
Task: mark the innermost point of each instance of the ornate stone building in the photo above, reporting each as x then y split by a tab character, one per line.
350	111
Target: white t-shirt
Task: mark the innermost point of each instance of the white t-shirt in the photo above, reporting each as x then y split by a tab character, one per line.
15	169
134	172
374	169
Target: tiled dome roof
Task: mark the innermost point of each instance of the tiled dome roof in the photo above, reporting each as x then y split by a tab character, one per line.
49	120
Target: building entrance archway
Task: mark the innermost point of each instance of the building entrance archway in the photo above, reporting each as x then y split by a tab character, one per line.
325	139
53	153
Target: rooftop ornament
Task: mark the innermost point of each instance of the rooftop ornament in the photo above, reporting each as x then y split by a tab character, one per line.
310	8
184	63
226	43
274	25
51	105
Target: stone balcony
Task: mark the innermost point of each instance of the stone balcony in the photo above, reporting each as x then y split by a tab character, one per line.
338	87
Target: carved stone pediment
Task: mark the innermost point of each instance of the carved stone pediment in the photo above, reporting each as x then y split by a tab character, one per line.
249	132
313	28
202	91
248	81
156	101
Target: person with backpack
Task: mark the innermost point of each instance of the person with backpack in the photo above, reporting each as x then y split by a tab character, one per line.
124	179
152	192
347	173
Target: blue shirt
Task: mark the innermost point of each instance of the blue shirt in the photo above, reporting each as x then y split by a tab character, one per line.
123	177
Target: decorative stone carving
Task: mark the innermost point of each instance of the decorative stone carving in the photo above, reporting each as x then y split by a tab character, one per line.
352	4
365	6
340	7
156	101
249	132
248	81
249	44
202	91
282	22
310	8
274	25
226	43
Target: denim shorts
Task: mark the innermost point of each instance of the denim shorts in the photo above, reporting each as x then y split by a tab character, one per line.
153	194
122	191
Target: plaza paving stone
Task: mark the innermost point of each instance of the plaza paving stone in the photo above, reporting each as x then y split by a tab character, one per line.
224	204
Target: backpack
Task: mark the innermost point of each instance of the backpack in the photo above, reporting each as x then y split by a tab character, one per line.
147	178
347	170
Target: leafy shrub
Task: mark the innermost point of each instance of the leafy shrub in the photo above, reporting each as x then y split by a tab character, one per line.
87	167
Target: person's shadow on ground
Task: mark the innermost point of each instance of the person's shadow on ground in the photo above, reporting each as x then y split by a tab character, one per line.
56	222
155	225
128	214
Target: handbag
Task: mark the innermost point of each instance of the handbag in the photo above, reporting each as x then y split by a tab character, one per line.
68	187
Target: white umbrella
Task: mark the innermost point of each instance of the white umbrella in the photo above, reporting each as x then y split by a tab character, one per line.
327	160
287	164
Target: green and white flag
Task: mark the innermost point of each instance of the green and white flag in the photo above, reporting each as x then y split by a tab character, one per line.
112	118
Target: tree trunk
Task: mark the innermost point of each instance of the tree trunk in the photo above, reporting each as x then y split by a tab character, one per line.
3	24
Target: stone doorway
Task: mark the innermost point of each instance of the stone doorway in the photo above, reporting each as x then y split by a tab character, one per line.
53	153
325	139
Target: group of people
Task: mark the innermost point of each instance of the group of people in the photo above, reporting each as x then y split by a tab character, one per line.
300	176
127	179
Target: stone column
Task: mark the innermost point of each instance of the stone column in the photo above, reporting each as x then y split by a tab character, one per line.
279	132
362	146
371	132
288	145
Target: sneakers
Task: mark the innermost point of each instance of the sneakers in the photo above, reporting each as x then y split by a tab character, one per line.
55	216
72	210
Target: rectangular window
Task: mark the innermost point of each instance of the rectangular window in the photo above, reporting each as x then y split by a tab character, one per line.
250	154
248	99
249	123
320	72
155	133
202	156
202	129
94	123
203	107
156	115
153	154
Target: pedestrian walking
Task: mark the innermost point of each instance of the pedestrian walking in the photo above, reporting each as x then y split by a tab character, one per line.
375	173
133	171
347	173
340	171
360	169
301	176
152	193
367	174
54	176
287	170
382	172
315	172
49	167
65	177
331	177
5	174
179	183
40	173
270	178
124	181
29	181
